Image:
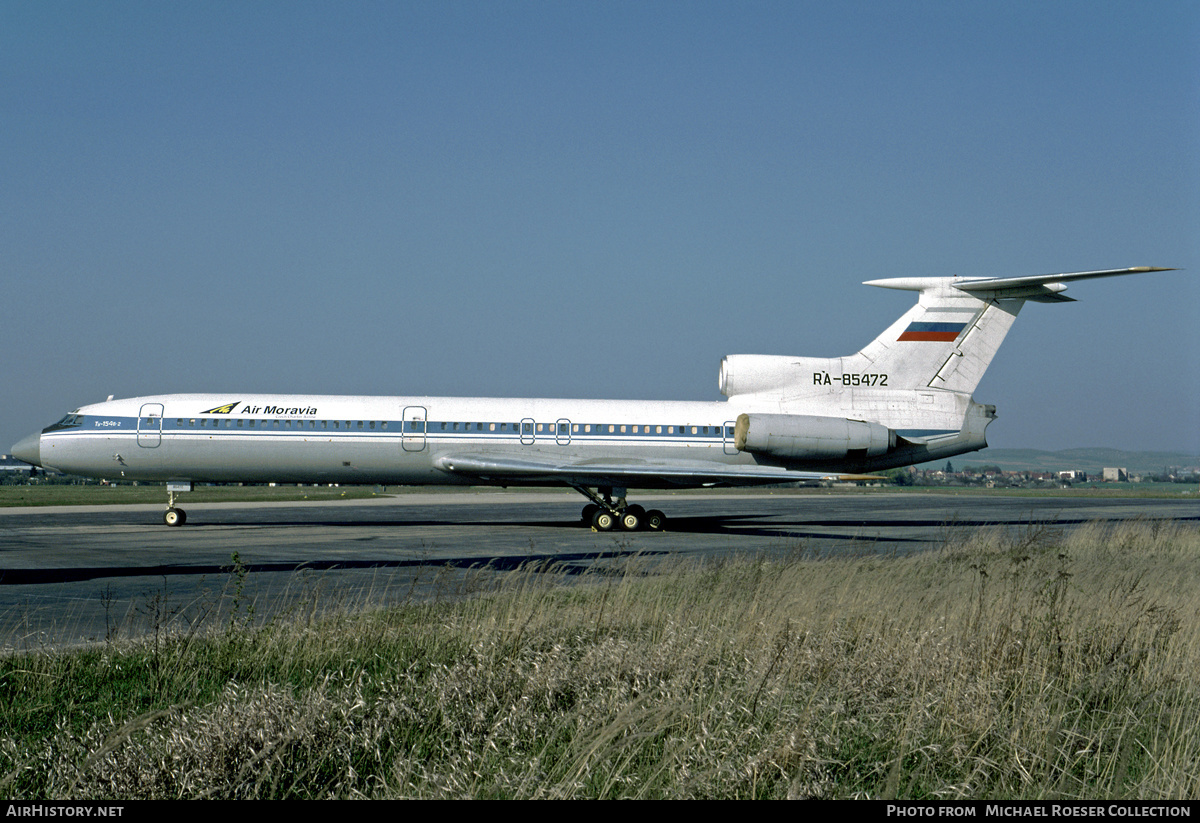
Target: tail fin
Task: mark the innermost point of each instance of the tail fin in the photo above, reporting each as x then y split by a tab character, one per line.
946	341
949	338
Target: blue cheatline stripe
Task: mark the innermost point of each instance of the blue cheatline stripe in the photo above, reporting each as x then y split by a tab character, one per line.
223	426
432	430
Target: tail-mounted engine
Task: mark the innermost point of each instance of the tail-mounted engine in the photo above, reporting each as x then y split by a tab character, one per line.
808	437
751	373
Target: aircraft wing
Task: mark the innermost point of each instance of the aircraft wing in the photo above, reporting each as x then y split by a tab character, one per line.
633	473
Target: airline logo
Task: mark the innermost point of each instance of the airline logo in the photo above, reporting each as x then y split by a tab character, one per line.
282	411
939	332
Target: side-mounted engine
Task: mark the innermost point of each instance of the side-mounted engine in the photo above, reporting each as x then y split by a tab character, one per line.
808	437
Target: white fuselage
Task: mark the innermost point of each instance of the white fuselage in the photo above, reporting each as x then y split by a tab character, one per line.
403	440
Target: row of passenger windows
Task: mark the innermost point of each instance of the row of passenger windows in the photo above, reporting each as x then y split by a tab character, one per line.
203	422
621	428
560	428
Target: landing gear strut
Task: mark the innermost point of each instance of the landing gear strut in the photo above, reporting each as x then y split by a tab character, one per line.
173	516
605	513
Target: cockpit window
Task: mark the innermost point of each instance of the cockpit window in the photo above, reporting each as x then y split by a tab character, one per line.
69	422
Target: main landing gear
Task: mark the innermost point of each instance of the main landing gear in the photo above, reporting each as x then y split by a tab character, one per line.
173	516
604	513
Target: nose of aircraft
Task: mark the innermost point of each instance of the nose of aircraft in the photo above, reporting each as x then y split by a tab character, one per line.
29	449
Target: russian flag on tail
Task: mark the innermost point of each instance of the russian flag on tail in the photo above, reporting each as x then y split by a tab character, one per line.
940	332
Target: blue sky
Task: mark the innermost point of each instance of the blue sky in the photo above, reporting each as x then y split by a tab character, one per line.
592	199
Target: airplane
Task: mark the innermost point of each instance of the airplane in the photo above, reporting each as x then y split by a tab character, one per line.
905	398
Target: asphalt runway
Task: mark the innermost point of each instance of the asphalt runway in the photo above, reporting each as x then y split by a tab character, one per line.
79	574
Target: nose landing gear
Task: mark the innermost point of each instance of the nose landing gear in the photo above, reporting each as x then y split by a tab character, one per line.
173	516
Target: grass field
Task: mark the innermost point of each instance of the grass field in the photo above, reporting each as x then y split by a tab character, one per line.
1006	665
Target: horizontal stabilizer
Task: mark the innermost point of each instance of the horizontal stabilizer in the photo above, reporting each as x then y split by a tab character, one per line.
989	284
1040	288
1046	288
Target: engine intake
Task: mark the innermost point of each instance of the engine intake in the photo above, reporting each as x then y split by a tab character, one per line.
804	436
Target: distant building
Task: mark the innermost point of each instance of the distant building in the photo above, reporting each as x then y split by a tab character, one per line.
1116	475
13	470
12	467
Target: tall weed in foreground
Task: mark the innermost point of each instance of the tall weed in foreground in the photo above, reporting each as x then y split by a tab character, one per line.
1009	664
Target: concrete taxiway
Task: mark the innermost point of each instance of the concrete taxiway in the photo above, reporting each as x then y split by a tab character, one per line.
72	574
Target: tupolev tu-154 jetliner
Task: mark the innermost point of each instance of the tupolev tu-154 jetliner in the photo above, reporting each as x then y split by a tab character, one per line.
906	398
